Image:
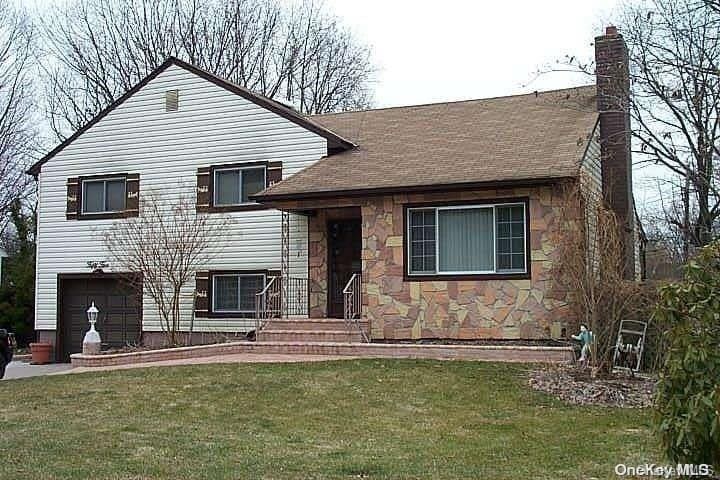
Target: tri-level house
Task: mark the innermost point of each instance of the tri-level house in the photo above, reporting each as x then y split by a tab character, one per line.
435	221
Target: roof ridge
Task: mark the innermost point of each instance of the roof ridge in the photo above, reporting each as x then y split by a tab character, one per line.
452	102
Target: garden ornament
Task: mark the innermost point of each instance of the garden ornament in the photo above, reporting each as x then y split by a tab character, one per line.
586	337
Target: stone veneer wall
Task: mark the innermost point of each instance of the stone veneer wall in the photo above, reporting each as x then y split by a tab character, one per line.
448	309
462	309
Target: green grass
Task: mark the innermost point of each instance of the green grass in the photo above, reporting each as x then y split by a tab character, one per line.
347	419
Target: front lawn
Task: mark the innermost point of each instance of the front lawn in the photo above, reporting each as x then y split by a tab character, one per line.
345	419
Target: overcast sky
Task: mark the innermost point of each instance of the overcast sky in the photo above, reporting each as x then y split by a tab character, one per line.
432	51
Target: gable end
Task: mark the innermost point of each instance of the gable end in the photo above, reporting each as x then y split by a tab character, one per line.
335	142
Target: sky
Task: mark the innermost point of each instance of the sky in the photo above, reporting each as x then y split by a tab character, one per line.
433	51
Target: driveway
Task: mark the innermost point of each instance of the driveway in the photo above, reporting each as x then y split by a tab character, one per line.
22	369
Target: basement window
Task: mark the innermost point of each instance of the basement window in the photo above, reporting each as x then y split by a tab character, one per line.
467	239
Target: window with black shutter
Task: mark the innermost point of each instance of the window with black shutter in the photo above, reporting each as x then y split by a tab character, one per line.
230	187
103	196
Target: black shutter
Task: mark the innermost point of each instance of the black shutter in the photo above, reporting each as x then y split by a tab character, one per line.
73	198
204	189
132	191
274	173
202	294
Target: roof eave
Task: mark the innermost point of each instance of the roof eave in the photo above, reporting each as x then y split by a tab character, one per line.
360	192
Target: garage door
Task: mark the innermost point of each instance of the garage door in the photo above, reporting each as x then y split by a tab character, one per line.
119	321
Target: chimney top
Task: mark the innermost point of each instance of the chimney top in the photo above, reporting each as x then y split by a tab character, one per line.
611	30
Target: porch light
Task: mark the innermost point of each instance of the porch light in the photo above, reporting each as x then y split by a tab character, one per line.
91	342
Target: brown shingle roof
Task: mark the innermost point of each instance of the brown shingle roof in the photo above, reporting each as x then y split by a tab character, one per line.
505	139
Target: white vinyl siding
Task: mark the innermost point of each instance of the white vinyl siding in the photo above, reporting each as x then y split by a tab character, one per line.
591	184
212	127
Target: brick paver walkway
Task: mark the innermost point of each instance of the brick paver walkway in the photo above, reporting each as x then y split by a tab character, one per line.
232	358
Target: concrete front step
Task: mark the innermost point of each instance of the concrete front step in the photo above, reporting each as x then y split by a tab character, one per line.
315	324
494	353
344	335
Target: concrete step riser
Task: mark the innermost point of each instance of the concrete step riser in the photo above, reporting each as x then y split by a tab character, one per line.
307	336
309	325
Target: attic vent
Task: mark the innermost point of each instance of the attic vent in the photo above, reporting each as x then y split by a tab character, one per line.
171	100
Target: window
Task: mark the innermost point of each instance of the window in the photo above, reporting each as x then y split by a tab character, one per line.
422	241
235	293
102	196
467	239
510	238
233	186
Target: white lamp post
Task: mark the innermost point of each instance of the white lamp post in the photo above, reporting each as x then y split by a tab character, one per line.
91	342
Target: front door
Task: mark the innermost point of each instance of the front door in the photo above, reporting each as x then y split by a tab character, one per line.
344	245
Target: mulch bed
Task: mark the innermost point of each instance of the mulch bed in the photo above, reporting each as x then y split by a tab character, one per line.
573	384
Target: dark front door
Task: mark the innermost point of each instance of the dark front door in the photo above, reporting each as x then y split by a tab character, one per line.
344	245
119	319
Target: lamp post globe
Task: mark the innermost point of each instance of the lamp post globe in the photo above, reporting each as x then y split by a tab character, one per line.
91	342
92	314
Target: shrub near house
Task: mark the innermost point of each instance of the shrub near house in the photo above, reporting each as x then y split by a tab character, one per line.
688	401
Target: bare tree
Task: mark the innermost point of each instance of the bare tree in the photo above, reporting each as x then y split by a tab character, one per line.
298	53
17	125
712	4
675	72
161	249
674	104
667	218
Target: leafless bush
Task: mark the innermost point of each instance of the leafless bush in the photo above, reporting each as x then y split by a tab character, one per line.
591	268
160	250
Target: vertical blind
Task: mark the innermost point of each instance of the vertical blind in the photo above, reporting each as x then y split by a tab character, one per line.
465	240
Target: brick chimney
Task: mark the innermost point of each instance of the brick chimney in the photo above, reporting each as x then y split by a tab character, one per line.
613	95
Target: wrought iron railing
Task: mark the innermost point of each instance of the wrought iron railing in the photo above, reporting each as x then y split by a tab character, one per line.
297	296
352	304
269	302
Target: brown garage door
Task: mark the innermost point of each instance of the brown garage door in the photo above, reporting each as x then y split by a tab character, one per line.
119	321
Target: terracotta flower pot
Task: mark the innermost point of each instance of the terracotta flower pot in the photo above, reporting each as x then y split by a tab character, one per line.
40	353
